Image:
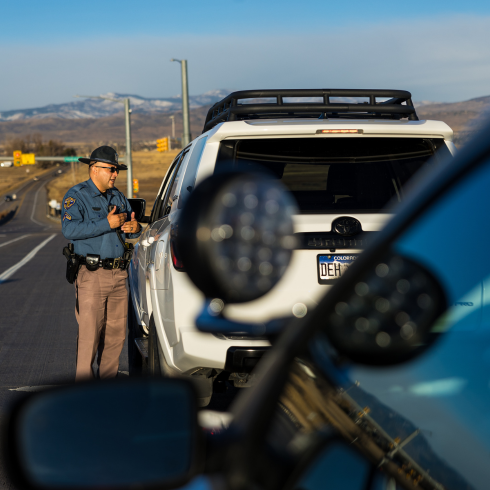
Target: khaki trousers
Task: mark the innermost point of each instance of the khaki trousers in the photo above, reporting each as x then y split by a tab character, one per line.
102	312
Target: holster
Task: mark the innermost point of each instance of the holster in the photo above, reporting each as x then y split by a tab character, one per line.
72	263
128	249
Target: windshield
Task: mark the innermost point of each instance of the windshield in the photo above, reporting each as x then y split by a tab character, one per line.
333	175
436	407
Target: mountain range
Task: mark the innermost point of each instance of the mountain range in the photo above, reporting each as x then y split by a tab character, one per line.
91	121
106	105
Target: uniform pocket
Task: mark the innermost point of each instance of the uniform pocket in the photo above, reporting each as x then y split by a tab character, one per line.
81	274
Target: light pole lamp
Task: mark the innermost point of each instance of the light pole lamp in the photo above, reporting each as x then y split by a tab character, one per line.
186	137
128	160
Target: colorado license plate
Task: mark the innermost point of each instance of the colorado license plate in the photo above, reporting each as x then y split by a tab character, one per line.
331	267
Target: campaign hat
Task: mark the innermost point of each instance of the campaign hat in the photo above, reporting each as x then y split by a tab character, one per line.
104	154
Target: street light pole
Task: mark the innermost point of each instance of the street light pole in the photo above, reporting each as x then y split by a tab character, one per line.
128	159
186	137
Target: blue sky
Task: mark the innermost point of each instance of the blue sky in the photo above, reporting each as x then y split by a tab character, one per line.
54	49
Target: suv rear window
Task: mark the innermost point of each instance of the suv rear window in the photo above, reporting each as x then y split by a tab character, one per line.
337	174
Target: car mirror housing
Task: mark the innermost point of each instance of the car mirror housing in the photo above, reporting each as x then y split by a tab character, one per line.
235	236
81	436
138	205
387	314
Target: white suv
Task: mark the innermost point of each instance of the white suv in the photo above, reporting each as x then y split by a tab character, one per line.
346	164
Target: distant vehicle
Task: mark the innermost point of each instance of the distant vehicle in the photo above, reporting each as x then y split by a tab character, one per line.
60	171
36	178
8	198
6	164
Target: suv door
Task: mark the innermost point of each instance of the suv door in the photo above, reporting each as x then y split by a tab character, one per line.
148	237
161	226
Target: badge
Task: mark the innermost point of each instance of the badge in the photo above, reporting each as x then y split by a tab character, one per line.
116	157
69	202
67	216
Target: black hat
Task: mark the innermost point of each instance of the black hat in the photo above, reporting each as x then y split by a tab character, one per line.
104	154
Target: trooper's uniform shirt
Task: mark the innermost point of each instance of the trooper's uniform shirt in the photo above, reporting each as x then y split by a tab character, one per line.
84	220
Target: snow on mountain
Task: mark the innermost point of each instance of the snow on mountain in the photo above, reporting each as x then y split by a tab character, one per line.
94	108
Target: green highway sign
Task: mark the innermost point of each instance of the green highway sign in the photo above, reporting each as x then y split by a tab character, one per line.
71	159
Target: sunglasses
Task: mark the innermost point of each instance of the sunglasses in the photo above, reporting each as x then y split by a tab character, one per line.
111	169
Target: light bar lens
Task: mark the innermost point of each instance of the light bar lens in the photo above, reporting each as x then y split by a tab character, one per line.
339	131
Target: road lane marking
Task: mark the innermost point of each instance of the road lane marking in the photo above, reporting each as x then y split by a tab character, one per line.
12	241
34	206
27	258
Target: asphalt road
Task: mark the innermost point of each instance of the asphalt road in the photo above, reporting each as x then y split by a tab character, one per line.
38	330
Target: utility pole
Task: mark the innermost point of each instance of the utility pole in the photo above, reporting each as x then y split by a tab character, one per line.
186	137
173	126
128	159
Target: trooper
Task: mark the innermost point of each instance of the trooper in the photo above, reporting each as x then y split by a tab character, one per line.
97	218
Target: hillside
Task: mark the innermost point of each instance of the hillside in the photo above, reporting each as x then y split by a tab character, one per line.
149	124
463	117
110	104
104	130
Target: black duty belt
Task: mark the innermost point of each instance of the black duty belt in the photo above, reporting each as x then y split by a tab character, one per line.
107	263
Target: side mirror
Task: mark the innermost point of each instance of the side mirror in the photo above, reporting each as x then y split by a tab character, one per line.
139	207
83	436
386	314
235	237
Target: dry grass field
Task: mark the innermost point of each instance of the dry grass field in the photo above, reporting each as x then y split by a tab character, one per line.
13	177
149	167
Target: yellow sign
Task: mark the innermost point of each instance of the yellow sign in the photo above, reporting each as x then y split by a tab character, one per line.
28	159
162	144
136	186
17	158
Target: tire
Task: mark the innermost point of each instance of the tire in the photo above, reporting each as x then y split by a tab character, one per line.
135	360
154	368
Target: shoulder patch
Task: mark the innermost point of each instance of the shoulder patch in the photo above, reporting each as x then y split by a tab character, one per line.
69	202
67	216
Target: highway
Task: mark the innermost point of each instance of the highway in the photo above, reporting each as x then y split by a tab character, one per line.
38	330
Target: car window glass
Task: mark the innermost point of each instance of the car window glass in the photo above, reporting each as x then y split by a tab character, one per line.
339	465
436	406
310	410
170	194
155	212
362	175
189	180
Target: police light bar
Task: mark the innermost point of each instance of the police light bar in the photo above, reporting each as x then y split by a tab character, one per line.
340	131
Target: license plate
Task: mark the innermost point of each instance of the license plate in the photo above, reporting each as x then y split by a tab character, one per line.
331	267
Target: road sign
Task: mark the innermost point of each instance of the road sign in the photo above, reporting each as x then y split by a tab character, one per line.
17	158
70	159
136	186
162	144
28	158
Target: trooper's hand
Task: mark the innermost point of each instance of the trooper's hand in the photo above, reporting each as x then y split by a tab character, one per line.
131	226
116	220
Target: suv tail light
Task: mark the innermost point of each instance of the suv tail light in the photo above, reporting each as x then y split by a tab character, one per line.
174	252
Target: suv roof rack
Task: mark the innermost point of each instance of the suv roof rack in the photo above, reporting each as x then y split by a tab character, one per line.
230	109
